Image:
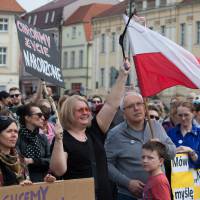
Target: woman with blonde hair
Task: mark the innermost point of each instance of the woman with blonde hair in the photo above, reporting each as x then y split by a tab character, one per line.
186	135
80	153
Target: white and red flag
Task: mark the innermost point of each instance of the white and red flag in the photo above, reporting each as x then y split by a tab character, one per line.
160	63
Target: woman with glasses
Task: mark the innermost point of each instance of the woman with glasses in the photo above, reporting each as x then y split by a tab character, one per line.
153	112
81	154
34	147
48	127
12	169
185	135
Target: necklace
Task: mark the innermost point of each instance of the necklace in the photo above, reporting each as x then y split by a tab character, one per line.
80	137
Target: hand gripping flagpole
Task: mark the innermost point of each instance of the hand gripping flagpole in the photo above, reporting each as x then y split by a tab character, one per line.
121	39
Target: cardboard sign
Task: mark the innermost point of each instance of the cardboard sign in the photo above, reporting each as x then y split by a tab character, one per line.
39	52
185	182
77	189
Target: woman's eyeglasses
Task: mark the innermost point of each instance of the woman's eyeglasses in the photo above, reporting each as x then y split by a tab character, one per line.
154	117
83	110
14	95
38	114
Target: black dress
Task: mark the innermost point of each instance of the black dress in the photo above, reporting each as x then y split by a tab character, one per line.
79	161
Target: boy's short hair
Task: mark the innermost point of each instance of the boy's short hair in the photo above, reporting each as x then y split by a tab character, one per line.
156	146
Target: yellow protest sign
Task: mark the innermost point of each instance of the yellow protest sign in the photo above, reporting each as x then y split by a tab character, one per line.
185	182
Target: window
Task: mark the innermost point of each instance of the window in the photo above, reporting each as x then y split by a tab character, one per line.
102	77
163	30
113	42
103	43
76	86
72	59
35	20
73	32
182	36
81	58
65	60
29	19
3	24
2	87
52	16
46	17
113	76
151	4
3	55
198	32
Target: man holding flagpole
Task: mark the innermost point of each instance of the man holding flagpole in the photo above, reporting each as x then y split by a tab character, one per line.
160	64
124	146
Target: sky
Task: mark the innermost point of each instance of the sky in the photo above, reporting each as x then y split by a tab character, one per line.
29	5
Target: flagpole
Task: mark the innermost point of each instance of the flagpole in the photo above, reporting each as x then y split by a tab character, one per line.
148	117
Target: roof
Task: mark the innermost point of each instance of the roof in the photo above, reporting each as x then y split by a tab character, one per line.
117	9
53	5
10	6
188	2
84	14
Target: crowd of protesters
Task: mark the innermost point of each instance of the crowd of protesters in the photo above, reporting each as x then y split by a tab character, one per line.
109	140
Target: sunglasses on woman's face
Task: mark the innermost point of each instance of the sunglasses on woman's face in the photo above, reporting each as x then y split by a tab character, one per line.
38	114
154	117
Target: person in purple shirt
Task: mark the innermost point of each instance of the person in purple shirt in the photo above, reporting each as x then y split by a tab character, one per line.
186	136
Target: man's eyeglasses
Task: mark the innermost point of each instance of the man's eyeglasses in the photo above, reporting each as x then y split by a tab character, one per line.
14	95
84	109
38	114
131	106
154	117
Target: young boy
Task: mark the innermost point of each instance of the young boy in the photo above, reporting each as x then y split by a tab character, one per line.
157	186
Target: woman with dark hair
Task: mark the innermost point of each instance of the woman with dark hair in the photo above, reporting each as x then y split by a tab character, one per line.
32	145
12	168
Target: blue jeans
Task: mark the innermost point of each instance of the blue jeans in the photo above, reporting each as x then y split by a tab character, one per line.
121	196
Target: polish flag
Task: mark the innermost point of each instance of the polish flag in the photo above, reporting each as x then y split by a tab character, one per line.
160	63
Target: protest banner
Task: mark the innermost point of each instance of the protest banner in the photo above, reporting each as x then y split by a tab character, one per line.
185	181
39	53
77	189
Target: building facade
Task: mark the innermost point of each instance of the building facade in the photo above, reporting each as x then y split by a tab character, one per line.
107	58
9	45
51	17
176	19
77	47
